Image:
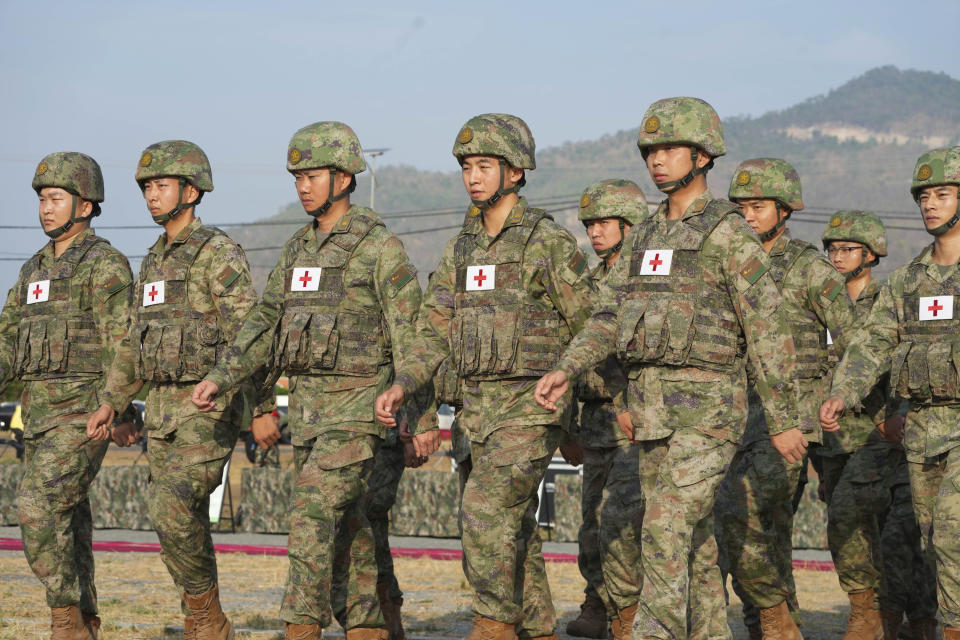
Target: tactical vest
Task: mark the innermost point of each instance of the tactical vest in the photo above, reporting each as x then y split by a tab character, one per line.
679	319
336	329
503	332
58	337
809	336
177	342
924	365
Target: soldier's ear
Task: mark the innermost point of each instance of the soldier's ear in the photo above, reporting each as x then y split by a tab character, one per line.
84	208
190	193
703	158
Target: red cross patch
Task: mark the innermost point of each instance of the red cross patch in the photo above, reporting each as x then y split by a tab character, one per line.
38	291
305	279
153	293
936	308
656	262
481	277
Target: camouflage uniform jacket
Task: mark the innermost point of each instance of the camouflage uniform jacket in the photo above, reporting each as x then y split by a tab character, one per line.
203	279
691	301
814	301
549	275
907	336
600	392
338	336
64	339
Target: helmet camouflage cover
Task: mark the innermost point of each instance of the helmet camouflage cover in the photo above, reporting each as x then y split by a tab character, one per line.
939	166
176	158
857	226
767	179
688	121
326	144
497	134
613	199
75	172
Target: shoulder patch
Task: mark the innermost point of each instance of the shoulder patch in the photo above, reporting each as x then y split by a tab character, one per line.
831	290
401	276
114	284
753	270
228	276
578	262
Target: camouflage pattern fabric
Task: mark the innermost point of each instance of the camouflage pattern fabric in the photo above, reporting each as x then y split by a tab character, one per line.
567	501
857	226
425	492
810	521
684	121
118	498
326	144
265	500
382	489
613	199
75	172
497	134
178	158
767	179
10	475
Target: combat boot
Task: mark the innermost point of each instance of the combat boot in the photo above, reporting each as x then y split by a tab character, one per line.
891	621
66	623
208	619
189	628
592	621
391	611
622	624
93	622
754	632
489	629
923	629
302	631
951	633
864	622
776	623
366	633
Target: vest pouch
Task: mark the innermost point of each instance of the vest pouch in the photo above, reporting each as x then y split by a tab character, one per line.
656	335
942	374
679	332
149	344
57	345
202	344
296	354
38	356
539	342
355	345
918	373
497	341
631	330
899	375
169	366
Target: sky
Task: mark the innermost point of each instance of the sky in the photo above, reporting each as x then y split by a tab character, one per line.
238	78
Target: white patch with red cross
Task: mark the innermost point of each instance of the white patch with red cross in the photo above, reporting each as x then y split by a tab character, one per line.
38	291
656	262
936	308
481	277
305	279
153	293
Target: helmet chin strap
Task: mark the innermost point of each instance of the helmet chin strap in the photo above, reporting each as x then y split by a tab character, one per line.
771	233
673	185
164	218
322	209
495	198
62	229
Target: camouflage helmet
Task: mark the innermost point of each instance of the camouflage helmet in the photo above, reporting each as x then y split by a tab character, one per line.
178	159
324	145
613	199
75	172
857	226
687	121
939	166
767	179
497	134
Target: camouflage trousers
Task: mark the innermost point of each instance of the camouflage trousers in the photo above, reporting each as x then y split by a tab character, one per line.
609	538
185	467
54	510
333	567
754	513
382	491
682	594
502	553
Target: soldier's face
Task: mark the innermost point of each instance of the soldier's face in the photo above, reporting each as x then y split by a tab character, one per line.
603	233
56	205
669	162
848	255
162	194
481	176
313	187
761	214
938	204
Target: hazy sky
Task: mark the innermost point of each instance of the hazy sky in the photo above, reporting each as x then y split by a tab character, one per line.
238	78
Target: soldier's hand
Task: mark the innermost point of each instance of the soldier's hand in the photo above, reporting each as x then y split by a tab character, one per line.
830	412
791	444
426	443
265	430
387	404
892	428
98	424
626	425
124	434
410	458
551	388
204	394
572	453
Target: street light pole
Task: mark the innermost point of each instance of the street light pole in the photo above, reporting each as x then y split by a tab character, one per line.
371	154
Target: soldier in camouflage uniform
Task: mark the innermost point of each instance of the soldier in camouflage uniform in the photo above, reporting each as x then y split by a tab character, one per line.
338	311
693	300
193	291
912	334
611	503
864	471
510	290
754	508
58	330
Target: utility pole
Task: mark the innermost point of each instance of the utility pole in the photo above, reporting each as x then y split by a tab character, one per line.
371	154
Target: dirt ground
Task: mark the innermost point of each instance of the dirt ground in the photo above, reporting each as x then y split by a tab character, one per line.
137	598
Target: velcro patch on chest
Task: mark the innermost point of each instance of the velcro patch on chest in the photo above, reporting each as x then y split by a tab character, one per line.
305	279
481	277
153	293
936	308
656	262
38	291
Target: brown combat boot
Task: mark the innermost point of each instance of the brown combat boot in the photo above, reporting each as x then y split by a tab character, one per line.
66	623
754	631
951	633
208	619
776	623
592	621
489	629
189	628
391	612
93	622
865	622
923	629
302	631
891	621
622	624
366	633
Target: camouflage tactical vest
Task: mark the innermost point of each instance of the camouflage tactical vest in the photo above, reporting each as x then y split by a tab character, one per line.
334	329
59	336
809	336
177	342
924	365
679	319
503	332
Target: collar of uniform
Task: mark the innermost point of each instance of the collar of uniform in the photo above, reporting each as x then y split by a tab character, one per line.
342	225
46	253
933	270
696	207
871	290
514	218
781	244
160	246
